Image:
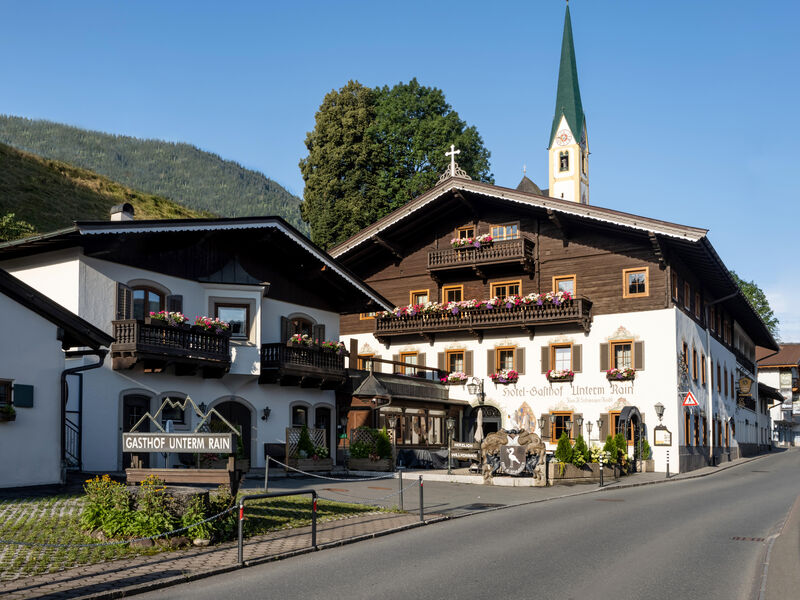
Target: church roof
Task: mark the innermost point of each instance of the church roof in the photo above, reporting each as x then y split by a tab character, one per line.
528	186
568	96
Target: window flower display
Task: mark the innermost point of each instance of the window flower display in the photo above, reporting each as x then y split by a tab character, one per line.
505	376
455	377
624	374
560	375
471	242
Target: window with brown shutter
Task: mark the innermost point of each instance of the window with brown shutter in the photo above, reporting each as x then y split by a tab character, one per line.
604	354
577	358
124	308
545	359
519	361
638	356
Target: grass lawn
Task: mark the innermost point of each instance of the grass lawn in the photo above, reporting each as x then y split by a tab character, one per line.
56	520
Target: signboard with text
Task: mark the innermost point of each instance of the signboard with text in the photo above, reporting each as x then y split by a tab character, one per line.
210	443
662	436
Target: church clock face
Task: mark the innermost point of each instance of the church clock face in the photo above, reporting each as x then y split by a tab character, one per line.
563	137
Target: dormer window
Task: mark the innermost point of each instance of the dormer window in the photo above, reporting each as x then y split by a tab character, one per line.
563	161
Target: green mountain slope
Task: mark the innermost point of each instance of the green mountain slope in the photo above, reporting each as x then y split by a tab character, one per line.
51	195
180	172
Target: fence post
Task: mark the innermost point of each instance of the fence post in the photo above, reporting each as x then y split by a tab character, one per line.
266	474
314	519
667	463
400	479
421	504
241	532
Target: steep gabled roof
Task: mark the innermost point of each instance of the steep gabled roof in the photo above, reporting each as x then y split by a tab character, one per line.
690	244
259	237
787	356
568	95
76	331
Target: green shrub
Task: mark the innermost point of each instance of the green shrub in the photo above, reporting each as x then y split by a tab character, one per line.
622	446
383	445
219	500
305	447
564	449
196	512
360	449
610	448
647	453
580	452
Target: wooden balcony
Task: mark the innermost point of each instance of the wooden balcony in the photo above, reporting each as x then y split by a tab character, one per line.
306	366
519	251
573	312
157	346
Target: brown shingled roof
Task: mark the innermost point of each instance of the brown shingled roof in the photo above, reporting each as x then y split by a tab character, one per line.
788	355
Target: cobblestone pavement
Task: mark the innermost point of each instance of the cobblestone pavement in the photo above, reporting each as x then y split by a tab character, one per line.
121	577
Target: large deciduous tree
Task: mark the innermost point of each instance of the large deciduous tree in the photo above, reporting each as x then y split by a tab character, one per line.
373	150
758	299
12	228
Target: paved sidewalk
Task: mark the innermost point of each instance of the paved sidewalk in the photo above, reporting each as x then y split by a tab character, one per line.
442	500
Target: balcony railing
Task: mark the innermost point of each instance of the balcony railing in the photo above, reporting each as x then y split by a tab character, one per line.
744	361
572	312
306	366
158	346
506	251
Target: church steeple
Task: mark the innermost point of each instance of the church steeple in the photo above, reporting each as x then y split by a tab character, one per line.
568	147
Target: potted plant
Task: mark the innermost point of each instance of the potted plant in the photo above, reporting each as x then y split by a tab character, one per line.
373	453
7	413
560	375
170	319
505	376
455	378
212	325
299	339
308	456
472	242
624	374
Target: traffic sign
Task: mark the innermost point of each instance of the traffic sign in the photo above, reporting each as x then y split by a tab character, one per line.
690	400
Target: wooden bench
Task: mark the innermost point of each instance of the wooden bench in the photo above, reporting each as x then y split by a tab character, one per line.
229	476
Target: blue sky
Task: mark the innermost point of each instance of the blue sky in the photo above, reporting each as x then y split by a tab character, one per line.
690	104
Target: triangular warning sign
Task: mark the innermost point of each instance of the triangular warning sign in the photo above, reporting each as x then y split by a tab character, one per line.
690	400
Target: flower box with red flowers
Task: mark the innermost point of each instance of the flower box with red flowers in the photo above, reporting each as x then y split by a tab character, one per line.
505	376
560	375
625	374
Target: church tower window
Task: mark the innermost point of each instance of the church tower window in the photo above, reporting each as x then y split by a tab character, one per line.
563	161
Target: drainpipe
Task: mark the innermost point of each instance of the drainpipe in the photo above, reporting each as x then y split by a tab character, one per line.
101	356
709	371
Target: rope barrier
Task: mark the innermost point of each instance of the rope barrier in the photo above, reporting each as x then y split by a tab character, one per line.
118	543
388	476
397	493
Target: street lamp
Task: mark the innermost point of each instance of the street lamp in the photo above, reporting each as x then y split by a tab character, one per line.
579	423
542	423
568	427
659	411
451	425
475	387
589	429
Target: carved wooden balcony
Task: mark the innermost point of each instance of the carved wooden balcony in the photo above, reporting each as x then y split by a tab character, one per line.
156	346
527	317
744	361
306	366
505	252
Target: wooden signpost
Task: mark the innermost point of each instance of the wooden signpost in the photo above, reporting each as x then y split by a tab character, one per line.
465	451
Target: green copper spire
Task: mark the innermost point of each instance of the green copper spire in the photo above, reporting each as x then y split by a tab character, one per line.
568	97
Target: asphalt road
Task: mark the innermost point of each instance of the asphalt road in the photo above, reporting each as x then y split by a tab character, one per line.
700	538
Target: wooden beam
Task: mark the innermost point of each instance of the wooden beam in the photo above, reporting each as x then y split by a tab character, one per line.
394	250
659	251
469	205
559	223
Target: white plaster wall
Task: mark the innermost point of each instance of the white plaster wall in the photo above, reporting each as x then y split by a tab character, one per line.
55	274
104	389
31	445
273	310
590	394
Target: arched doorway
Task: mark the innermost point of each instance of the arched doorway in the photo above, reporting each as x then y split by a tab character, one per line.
238	415
630	423
492	420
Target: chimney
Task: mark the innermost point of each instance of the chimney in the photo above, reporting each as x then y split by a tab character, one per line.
122	212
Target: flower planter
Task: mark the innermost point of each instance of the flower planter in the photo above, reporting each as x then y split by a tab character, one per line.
560	379
613	378
589	473
505	381
646	466
309	464
7	418
367	464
